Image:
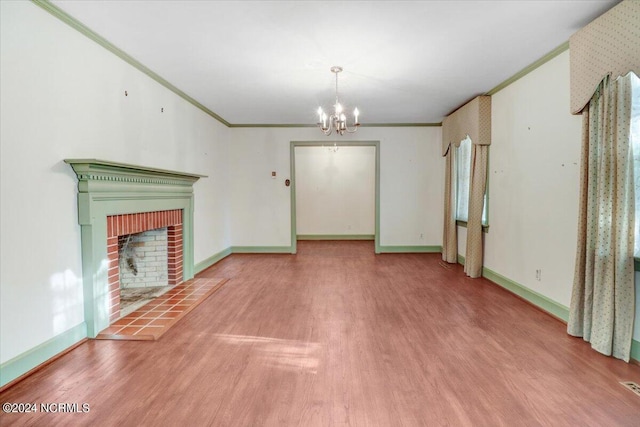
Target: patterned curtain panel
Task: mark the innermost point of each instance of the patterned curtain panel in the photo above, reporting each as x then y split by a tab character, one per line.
602	302
473	262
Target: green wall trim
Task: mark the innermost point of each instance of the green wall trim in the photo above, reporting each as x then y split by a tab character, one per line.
533	297
636	263
261	249
292	163
307	125
539	300
213	259
336	236
461	259
548	57
272	125
23	363
635	350
400	125
410	249
86	31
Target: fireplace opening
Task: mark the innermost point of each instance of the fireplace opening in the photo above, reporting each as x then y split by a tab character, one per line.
145	258
143	261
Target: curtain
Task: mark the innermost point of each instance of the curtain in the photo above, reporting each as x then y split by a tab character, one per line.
450	236
477	187
602	300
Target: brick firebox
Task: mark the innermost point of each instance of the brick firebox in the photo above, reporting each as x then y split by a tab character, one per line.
119	225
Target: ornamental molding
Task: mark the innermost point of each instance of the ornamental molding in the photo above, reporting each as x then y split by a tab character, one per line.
101	170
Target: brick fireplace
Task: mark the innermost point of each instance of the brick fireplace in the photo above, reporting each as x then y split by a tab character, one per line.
127	224
116	199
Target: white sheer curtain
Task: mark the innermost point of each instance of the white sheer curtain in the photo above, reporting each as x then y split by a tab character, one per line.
603	297
463	179
635	144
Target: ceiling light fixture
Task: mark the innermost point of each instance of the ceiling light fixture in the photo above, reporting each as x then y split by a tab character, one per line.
337	121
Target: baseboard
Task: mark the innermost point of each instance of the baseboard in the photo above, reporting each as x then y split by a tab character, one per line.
335	237
542	302
539	300
31	360
203	265
410	249
261	249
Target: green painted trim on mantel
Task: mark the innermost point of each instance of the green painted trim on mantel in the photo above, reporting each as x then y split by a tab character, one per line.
117	168
25	362
213	259
86	31
336	237
531	67
409	249
110	188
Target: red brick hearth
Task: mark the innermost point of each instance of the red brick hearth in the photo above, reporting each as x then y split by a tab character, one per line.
118	225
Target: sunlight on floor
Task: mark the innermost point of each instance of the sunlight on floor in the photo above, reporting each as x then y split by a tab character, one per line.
289	355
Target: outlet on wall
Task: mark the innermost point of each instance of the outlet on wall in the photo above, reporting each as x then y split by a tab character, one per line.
539	275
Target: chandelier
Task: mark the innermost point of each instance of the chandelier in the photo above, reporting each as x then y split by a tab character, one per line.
338	120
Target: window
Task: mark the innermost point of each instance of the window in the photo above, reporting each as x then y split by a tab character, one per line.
463	182
635	147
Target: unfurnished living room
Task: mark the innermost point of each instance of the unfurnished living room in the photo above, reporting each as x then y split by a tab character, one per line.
320	213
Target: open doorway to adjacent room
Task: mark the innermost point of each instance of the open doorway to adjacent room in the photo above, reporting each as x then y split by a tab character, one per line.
335	191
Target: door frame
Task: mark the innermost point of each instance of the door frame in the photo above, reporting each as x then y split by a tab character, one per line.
292	154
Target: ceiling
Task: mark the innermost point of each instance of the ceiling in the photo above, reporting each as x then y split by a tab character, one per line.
267	62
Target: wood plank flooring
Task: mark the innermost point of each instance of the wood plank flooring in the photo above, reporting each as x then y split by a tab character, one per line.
338	336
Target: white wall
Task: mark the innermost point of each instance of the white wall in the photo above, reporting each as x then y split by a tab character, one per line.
335	190
63	97
411	183
534	182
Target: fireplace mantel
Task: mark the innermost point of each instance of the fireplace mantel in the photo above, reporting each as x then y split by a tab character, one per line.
108	188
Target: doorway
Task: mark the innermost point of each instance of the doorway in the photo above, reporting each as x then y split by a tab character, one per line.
336	174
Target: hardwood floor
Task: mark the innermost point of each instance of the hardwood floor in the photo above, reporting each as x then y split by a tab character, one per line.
338	336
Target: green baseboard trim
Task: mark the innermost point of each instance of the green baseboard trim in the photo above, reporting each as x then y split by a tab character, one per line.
203	265
539	300
460	259
335	237
635	350
25	362
410	249
262	249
